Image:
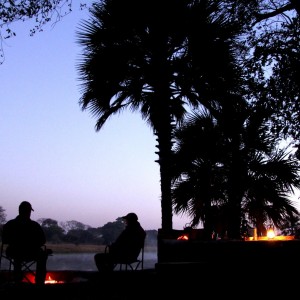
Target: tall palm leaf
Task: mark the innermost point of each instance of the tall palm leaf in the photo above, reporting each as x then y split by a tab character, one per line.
142	59
198	176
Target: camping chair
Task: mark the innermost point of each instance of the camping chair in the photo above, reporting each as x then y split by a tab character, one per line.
28	267
131	264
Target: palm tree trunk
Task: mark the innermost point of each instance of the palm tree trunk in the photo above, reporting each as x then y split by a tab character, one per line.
161	119
165	163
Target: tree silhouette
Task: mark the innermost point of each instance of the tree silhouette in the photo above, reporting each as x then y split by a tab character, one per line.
2	216
265	178
146	60
42	12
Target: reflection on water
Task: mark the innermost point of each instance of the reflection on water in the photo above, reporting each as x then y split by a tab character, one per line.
85	261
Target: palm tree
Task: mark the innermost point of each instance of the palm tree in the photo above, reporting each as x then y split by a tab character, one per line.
267	198
202	185
149	60
199	178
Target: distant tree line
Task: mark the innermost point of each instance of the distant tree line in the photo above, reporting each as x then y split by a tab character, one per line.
74	232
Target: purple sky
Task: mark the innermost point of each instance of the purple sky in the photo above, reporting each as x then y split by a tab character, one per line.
50	153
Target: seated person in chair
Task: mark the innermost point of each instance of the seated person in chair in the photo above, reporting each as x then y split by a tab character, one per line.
25	239
126	247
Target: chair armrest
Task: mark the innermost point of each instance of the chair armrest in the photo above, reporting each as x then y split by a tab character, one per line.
47	250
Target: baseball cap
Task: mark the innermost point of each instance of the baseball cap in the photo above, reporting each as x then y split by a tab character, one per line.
131	217
25	205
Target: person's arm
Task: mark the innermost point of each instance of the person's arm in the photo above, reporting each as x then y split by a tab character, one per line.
119	242
43	237
5	234
123	238
40	238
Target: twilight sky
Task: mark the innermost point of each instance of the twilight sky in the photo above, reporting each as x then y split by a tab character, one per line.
51	154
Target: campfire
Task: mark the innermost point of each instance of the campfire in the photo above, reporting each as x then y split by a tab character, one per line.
271	236
49	279
183	237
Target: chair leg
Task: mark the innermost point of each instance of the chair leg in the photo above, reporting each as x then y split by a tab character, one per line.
27	269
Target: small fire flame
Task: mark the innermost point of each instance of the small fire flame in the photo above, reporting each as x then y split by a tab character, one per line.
183	237
49	280
271	236
270	233
28	278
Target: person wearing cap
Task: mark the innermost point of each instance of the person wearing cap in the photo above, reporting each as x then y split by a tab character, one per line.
127	246
25	239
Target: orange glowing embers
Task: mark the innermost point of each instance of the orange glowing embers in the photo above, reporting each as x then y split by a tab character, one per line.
270	236
275	238
50	280
29	277
271	233
183	237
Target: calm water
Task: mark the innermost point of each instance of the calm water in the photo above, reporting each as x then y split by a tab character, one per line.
82	262
85	262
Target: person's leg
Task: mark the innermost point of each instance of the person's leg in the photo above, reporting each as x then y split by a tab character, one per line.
17	272
103	262
41	267
15	256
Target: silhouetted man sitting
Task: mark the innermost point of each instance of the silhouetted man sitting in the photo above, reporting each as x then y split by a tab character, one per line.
126	247
25	239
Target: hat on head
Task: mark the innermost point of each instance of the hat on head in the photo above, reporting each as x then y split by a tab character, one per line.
131	217
25	206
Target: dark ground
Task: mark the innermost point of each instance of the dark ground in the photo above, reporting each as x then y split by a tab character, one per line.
232	269
240	281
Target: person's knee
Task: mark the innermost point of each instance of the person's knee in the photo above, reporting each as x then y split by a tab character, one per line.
98	256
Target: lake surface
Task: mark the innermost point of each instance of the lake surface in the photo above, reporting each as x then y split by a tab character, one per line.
82	261
85	261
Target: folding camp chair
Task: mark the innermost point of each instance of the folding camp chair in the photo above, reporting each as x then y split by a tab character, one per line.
28	267
132	264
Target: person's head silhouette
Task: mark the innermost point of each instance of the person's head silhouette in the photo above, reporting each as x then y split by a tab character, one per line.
25	209
130	218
